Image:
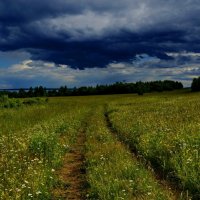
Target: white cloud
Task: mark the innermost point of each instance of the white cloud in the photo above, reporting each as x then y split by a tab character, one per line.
184	53
32	73
21	67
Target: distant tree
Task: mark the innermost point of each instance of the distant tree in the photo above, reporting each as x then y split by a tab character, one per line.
63	91
39	91
22	93
30	92
178	85
195	84
52	93
140	88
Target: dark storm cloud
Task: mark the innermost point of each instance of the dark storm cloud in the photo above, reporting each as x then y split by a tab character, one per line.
23	11
95	33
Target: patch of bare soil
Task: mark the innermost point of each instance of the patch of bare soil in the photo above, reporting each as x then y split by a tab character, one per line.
72	181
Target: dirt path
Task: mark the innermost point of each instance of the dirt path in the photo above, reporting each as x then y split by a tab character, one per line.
167	186
72	174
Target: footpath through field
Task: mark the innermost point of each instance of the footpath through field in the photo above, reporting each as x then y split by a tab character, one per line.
101	165
72	177
102	147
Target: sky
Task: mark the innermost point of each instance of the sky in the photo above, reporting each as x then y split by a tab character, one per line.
87	42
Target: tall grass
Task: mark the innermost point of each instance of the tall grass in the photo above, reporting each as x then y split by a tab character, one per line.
165	130
113	173
31	152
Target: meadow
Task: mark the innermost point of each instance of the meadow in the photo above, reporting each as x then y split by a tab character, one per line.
102	147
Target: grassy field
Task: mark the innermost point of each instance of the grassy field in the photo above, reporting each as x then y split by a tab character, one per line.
102	147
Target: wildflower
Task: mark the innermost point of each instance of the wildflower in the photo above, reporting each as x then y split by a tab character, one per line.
38	192
18	190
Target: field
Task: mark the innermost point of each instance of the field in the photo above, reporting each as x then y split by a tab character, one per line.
102	147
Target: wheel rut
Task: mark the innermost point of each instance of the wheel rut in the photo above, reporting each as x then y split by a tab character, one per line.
72	178
175	192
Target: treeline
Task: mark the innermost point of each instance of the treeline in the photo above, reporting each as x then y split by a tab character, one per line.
196	84
116	88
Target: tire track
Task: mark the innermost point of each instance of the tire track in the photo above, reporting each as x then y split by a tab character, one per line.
174	192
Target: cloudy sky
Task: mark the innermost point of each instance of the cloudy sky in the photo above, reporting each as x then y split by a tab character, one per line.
89	42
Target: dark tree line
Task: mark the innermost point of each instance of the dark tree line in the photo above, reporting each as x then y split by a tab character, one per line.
116	88
125	88
196	84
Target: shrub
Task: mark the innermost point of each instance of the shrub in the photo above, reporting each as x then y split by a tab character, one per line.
36	100
6	102
4	99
